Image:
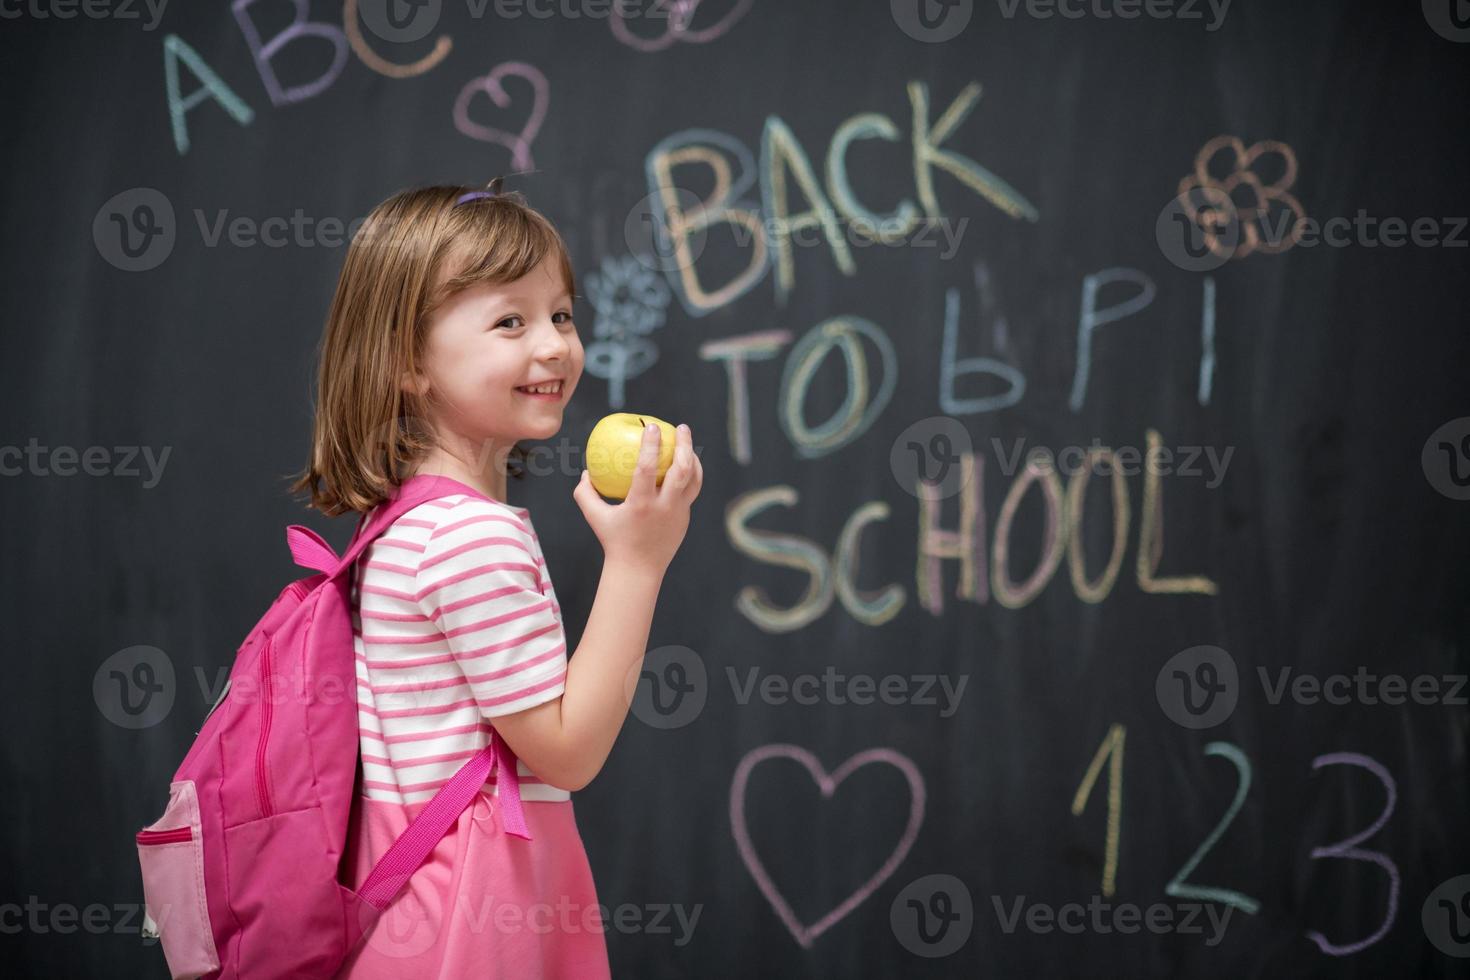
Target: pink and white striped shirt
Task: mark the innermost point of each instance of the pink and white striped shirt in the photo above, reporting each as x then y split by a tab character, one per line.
454	622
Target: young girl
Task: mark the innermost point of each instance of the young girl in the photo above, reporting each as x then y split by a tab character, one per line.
450	338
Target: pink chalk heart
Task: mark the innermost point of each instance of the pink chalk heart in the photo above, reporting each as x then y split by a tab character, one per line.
519	143
828	785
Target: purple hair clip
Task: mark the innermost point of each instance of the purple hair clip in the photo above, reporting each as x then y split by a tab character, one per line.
491	189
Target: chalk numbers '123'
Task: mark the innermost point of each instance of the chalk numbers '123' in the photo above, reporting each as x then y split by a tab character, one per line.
1110	751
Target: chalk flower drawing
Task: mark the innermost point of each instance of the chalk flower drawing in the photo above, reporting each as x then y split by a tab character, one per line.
631	302
1237	211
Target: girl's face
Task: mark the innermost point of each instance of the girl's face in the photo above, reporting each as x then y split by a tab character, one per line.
486	345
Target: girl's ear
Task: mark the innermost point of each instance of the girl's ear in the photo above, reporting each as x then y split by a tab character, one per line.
413	383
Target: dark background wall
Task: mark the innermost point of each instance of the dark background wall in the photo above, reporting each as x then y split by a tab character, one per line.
1310	521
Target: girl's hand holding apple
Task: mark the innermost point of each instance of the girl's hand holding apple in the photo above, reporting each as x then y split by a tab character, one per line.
613	448
646	529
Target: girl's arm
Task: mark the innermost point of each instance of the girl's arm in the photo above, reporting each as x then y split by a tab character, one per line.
566	741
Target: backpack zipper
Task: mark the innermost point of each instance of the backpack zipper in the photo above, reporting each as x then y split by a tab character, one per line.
165	836
261	791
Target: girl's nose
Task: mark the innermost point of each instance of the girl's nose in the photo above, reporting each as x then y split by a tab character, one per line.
554	345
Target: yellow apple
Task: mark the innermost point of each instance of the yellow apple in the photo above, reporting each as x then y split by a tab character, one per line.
613	447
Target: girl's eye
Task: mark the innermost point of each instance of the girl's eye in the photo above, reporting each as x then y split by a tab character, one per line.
511	322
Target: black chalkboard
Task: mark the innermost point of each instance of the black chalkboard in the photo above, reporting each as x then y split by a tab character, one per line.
919	702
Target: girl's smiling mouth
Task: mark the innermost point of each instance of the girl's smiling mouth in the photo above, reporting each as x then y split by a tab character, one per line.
549	391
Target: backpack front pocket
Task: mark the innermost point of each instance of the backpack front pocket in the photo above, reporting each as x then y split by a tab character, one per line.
171	854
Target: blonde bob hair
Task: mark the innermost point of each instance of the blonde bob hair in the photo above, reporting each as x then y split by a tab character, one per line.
413	252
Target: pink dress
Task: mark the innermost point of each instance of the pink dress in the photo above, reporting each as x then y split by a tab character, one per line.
455	622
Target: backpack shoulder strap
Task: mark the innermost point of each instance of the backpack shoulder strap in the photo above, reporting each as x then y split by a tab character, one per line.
310	550
421	836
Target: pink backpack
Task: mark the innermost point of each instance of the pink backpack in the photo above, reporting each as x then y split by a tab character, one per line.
240	874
